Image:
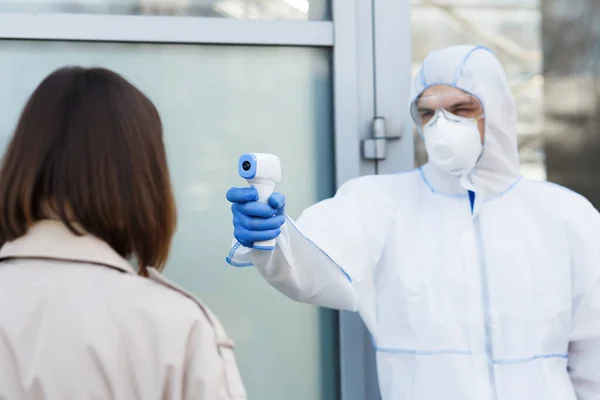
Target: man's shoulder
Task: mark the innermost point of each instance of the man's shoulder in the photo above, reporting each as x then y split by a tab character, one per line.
555	193
563	203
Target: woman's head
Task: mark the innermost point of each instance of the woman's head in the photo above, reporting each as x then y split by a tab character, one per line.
88	149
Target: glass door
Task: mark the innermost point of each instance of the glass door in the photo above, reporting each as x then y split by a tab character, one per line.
227	76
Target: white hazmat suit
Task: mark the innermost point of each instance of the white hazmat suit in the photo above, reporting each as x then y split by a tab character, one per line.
488	295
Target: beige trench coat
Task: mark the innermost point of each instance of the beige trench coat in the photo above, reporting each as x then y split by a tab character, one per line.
76	322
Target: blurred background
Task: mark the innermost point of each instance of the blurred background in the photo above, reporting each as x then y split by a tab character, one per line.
305	79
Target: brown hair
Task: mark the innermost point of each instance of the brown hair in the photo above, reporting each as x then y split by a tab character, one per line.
88	149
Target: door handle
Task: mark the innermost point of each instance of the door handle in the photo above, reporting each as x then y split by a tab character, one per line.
382	130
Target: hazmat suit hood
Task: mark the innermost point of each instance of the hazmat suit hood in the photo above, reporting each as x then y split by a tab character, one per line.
478	72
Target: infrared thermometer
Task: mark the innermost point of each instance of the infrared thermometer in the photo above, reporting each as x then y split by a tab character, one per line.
263	172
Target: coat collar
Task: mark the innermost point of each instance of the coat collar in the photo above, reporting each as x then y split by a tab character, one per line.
51	239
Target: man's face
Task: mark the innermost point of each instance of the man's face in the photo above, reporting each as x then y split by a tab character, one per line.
453	100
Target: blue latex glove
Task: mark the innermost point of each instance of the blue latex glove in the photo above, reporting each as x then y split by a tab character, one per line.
254	221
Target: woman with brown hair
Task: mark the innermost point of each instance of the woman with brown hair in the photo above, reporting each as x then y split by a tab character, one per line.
84	190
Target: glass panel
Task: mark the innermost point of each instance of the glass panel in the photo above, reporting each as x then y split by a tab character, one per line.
239	9
216	103
512	29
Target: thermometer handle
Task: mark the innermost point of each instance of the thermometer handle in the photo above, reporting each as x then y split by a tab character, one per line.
265	190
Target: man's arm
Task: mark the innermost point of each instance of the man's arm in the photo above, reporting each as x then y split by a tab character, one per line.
584	346
327	257
584	340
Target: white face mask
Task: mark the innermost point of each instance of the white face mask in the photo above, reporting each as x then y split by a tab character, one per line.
453	143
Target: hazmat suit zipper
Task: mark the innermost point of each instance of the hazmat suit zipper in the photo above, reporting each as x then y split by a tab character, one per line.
485	299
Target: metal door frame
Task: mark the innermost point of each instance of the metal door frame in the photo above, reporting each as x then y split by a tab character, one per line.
382	46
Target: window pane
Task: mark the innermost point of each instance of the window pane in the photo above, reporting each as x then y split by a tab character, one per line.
238	9
512	29
217	102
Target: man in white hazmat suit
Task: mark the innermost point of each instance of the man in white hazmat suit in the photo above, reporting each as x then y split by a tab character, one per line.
474	282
